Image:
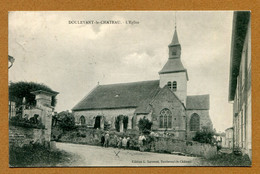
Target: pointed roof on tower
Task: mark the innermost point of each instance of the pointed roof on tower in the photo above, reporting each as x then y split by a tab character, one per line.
174	64
175	40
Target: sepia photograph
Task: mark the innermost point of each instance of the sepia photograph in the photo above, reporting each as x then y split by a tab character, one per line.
129	88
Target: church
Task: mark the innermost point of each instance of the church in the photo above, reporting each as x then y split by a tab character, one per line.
164	102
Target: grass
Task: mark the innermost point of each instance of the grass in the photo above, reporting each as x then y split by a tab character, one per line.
36	155
224	159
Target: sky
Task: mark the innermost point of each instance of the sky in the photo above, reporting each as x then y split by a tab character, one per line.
72	58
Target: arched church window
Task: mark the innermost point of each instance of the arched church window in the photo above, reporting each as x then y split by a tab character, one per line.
165	118
169	84
195	122
82	120
174	86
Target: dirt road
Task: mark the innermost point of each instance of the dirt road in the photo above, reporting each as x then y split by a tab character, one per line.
100	156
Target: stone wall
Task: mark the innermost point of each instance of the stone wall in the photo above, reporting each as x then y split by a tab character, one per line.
20	136
31	112
193	148
25	135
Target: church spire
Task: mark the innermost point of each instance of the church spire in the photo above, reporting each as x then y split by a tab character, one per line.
175	46
175	40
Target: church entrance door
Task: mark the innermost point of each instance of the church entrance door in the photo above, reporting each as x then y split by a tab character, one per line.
97	122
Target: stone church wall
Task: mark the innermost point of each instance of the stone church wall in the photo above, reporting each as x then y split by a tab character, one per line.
181	80
204	121
167	100
109	115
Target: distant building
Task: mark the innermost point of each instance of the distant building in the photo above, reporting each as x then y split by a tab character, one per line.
223	139
229	138
12	109
164	102
240	81
220	139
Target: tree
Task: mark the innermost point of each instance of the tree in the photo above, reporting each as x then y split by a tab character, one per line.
145	125
18	90
204	136
67	120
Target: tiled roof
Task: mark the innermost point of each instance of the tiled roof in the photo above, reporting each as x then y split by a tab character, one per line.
132	95
123	95
200	102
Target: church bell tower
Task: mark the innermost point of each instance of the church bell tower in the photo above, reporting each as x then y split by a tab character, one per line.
173	74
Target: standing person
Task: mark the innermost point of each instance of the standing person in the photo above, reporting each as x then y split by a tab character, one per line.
106	139
128	142
102	140
124	142
141	140
115	141
119	142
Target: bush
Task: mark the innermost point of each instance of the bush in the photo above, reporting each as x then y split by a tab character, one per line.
204	136
67	121
145	125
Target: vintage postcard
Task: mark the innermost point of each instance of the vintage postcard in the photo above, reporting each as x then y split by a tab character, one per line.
129	88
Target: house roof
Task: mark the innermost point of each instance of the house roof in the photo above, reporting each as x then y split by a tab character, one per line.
240	25
123	95
200	102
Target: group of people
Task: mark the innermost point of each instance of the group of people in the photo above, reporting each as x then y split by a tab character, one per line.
121	142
